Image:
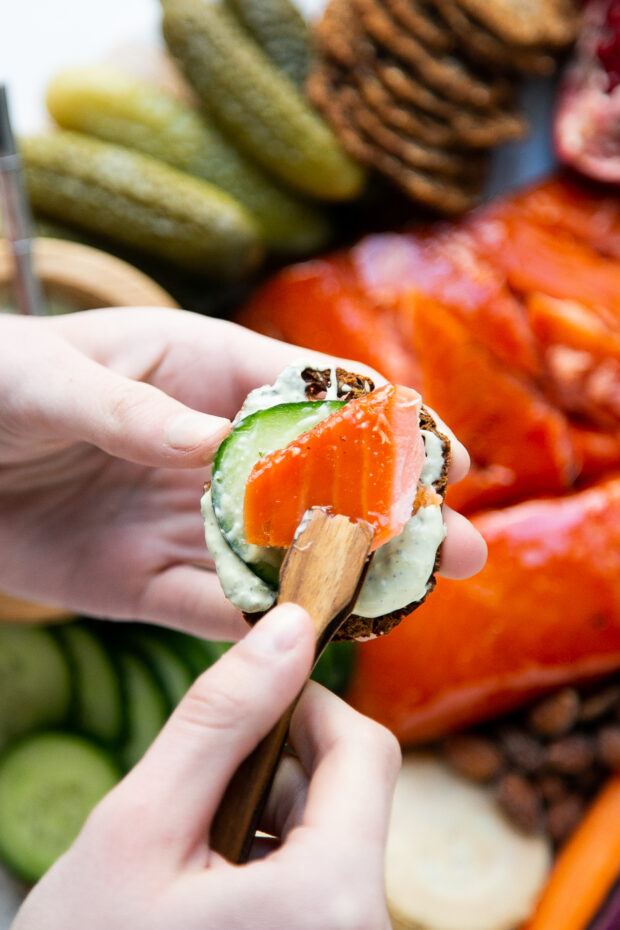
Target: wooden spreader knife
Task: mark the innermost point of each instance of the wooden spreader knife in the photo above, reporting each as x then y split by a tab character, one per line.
323	572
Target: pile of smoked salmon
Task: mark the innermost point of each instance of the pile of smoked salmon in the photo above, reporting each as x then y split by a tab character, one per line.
508	323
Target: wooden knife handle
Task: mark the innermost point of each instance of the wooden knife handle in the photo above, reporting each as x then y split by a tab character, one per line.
323	572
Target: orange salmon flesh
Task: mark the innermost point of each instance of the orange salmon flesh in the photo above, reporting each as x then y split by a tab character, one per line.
364	461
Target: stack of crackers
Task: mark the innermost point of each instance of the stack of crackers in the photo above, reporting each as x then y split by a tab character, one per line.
420	90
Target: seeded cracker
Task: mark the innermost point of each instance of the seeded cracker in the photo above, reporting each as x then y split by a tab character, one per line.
338	34
421	21
475	128
407	148
443	73
482	45
432	190
466	128
403	116
349	386
527	22
407	86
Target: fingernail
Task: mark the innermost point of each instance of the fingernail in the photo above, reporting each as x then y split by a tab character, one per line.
190	430
280	630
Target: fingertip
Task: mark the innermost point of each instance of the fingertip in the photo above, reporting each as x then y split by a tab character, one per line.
459	456
460	461
464	550
287	627
197	432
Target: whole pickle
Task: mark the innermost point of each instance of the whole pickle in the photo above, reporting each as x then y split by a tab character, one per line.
106	103
282	33
140	201
258	107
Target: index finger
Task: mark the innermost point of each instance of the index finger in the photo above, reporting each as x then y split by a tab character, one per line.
206	363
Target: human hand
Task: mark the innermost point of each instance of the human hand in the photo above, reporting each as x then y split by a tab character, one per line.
142	861
103	455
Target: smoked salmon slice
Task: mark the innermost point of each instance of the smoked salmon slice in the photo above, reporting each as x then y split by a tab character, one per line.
588	213
363	461
318	305
447	266
503	420
544	611
535	258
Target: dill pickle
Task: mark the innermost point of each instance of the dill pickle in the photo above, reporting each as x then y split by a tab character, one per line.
117	108
258	107
140	201
282	33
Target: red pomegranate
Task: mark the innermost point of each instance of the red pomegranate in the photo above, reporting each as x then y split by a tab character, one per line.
587	120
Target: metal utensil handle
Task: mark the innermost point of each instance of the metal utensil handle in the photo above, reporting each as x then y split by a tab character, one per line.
17	218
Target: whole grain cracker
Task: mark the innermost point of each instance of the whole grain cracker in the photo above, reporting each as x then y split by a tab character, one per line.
339	34
348	384
475	128
406	148
439	192
477	42
468	129
444	73
401	115
530	23
421	21
407	86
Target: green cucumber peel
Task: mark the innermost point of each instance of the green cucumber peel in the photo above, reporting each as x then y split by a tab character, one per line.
254	437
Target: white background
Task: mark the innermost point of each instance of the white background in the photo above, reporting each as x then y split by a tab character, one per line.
39	37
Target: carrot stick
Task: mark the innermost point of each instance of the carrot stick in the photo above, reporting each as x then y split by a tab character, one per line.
586	869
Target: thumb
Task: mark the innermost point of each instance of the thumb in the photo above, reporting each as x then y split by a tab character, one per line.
225	714
74	398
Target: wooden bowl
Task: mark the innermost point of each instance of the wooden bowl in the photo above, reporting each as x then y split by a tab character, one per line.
86	279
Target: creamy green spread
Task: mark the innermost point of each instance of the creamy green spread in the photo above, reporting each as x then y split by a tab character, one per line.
240	584
400	569
288	388
433	458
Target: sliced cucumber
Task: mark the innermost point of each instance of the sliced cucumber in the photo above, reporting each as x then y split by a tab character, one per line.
49	783
335	667
219	649
254	437
198	654
146	706
98	702
166	665
35	681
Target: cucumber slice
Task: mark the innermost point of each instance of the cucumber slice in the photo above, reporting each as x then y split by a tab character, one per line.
35	681
171	671
200	654
98	702
146	706
197	653
254	437
335	667
49	783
